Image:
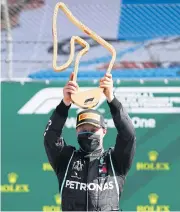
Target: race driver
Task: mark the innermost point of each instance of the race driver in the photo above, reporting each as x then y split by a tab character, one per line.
90	178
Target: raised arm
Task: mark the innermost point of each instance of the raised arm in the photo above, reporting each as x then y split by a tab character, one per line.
55	146
57	151
125	145
124	149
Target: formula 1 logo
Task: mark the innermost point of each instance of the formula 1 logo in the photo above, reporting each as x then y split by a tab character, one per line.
46	100
145	100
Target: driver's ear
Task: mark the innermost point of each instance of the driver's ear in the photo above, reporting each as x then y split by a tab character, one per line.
104	131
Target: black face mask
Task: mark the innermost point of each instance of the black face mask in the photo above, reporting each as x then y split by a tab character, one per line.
88	141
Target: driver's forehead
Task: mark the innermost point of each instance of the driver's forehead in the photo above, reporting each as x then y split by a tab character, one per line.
87	127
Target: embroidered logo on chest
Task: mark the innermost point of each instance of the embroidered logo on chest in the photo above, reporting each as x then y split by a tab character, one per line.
77	165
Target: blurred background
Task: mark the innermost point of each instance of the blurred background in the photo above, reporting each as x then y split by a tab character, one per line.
146	74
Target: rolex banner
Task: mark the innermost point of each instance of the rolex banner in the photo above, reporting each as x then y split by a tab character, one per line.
28	182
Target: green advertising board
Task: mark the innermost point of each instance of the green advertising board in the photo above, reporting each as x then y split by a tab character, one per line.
28	182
